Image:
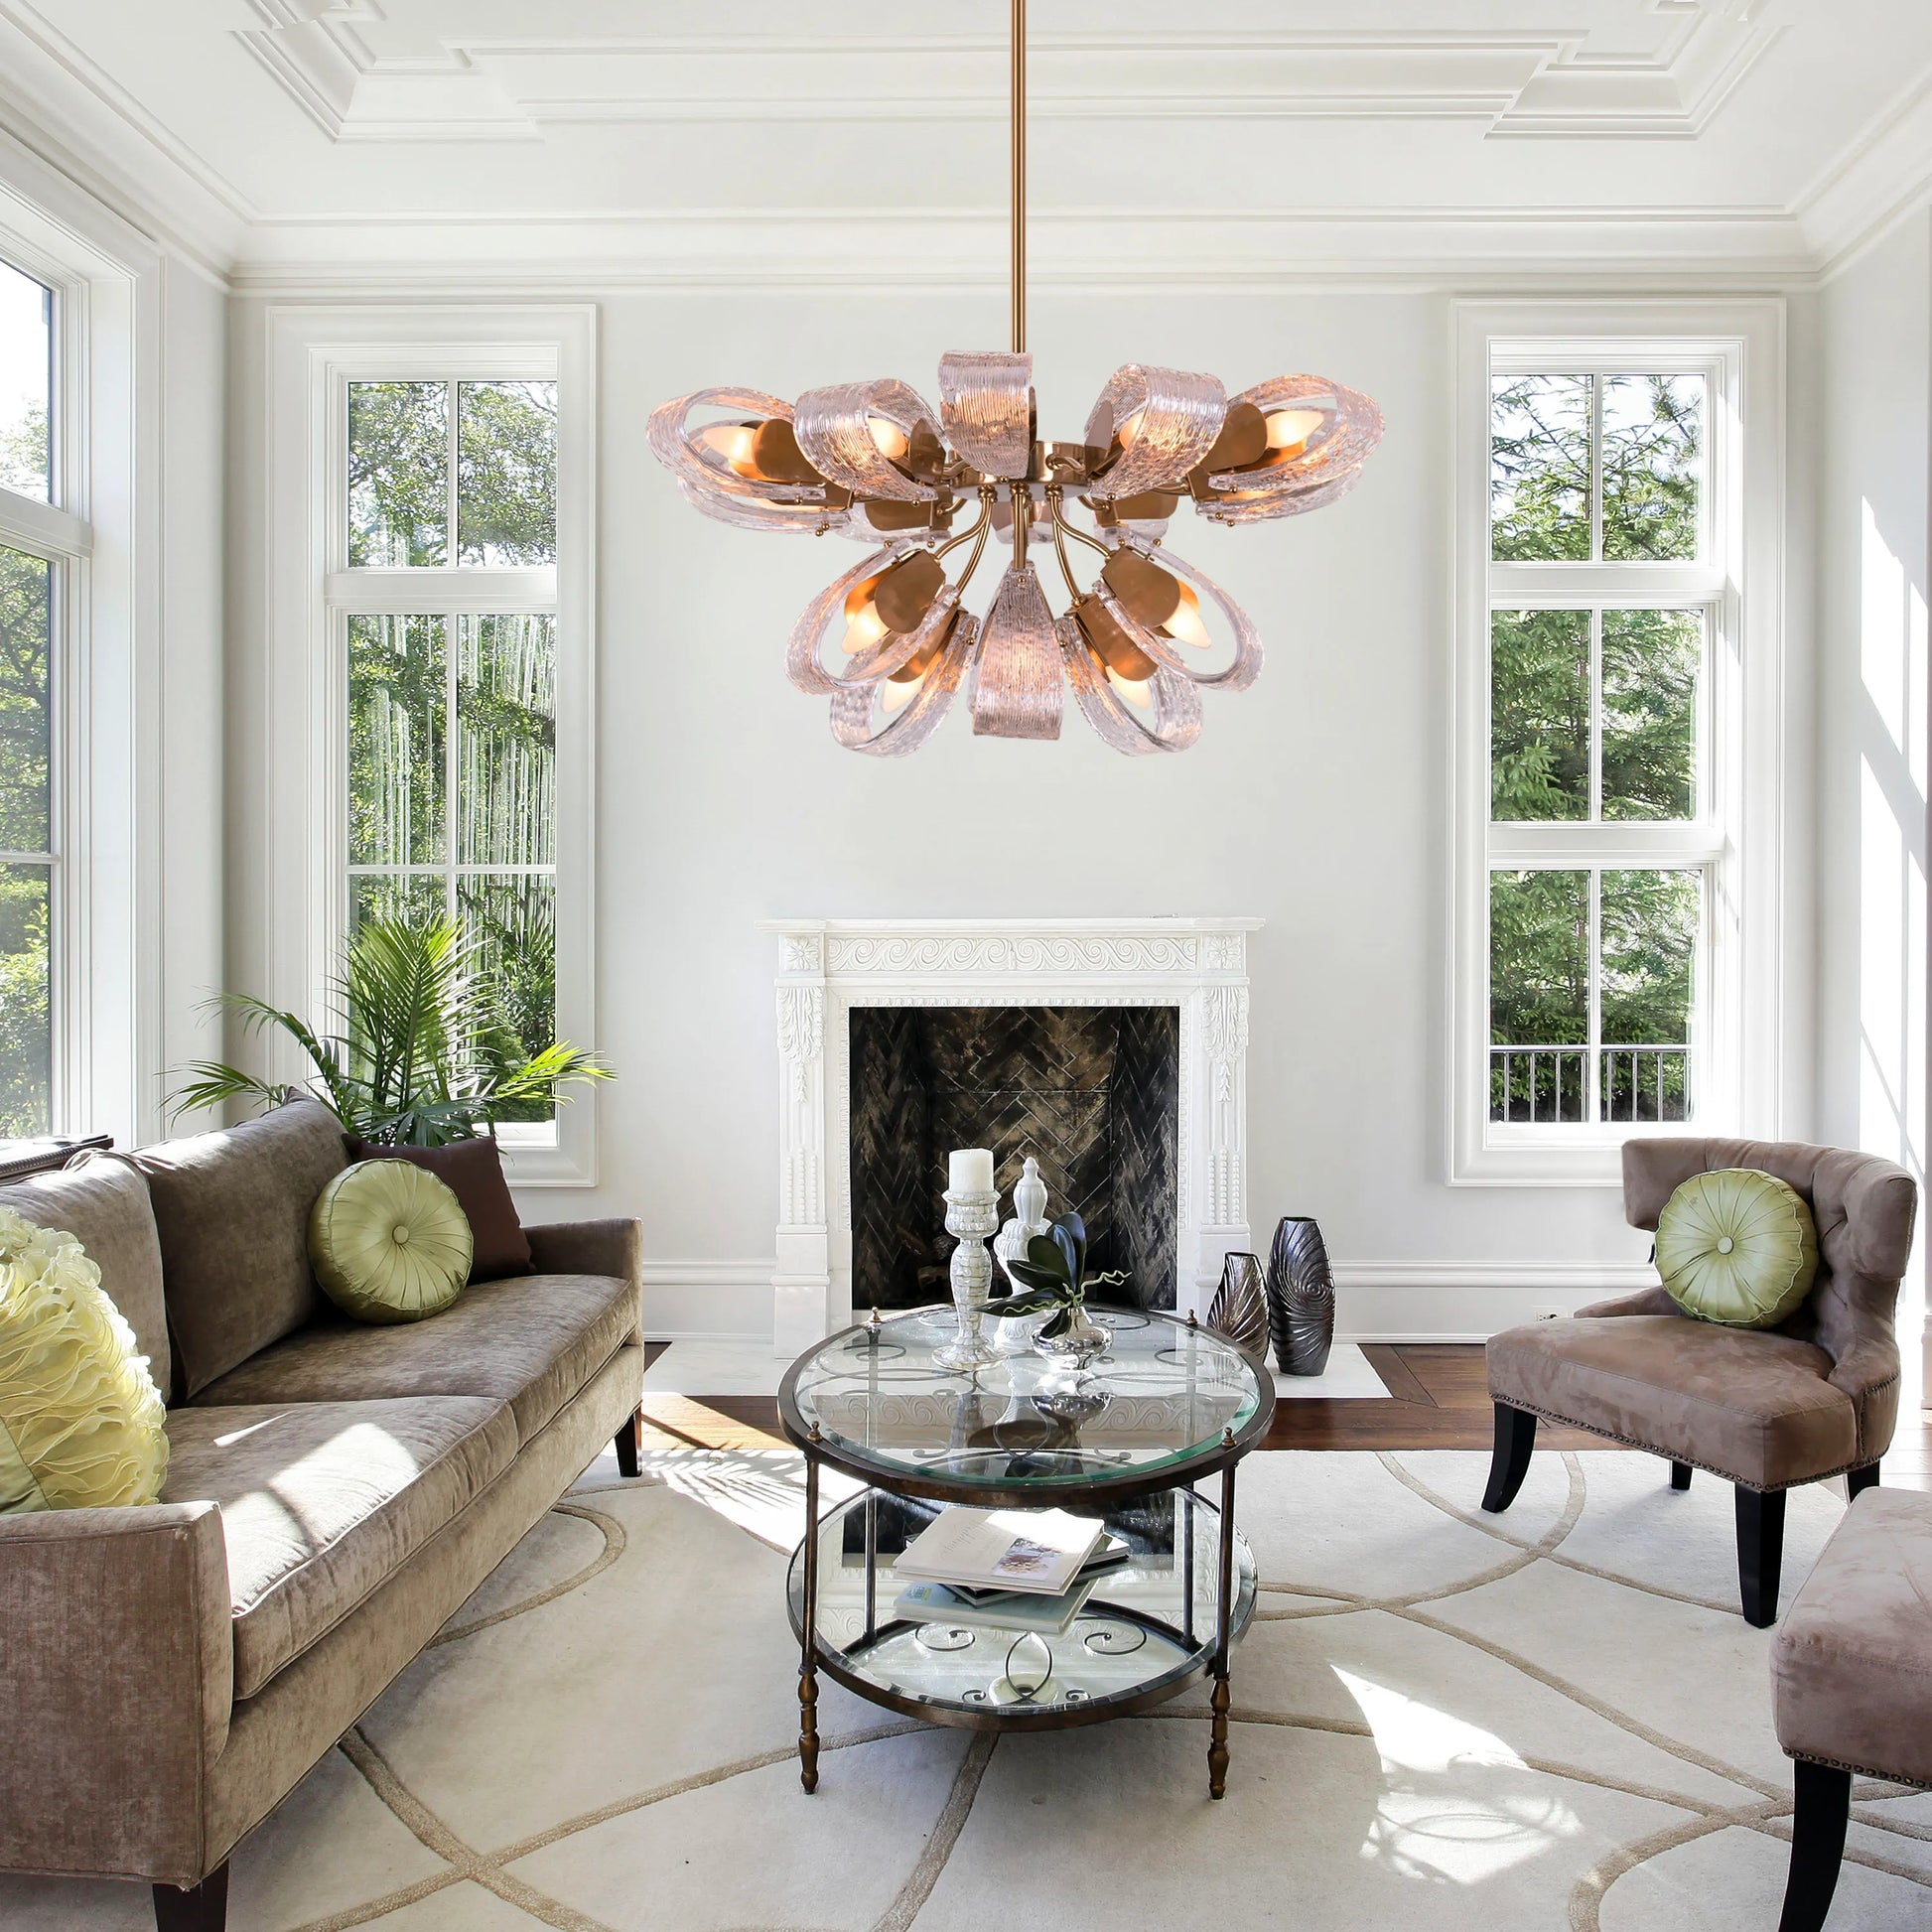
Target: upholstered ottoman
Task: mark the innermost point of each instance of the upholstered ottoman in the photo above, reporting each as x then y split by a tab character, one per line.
1851	1682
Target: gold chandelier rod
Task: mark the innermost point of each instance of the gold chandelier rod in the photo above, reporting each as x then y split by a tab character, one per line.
1019	176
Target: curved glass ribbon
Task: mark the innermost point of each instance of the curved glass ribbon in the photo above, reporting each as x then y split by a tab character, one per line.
1180	416
708	480
1171	722
806	669
1020	691
852	707
1324	469
834	430
792	520
985	409
1245	666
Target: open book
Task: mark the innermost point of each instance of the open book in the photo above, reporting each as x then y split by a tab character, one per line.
1039	1551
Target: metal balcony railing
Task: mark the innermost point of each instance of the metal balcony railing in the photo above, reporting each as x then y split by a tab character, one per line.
1550	1085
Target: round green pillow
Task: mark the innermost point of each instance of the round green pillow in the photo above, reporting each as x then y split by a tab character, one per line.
1737	1246
80	1419
388	1242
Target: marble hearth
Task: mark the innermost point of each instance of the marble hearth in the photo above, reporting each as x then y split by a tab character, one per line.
1194	969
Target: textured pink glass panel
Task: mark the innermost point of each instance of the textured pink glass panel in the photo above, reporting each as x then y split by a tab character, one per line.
1171	722
1245	666
853	710
1180	413
711	482
1325	469
986	408
802	664
834	430
793	519
1019	693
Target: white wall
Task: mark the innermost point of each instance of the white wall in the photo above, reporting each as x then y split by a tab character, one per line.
1870	330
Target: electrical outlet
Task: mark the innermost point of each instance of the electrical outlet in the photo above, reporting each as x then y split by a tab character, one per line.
1549	1314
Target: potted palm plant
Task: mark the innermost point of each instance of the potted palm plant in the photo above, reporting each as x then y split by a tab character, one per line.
417	1056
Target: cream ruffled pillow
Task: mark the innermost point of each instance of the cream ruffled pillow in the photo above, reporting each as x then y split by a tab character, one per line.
80	1420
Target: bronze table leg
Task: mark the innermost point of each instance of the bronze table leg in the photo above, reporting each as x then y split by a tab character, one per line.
1217	1748
808	1659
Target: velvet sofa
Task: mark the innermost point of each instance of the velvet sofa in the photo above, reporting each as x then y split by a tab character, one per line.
335	1494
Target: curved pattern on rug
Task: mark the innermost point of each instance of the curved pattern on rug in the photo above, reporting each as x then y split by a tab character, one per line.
1553	1718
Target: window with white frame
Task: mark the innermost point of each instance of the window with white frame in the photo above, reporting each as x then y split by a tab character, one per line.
41	548
449	492
1603	662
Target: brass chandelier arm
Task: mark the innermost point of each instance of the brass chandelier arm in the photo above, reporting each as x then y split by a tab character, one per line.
1062	529
1018	217
977	535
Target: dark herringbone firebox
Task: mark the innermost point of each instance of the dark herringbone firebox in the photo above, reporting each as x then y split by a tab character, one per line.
1091	1092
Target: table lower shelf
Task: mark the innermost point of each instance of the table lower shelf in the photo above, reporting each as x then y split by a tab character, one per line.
1147	1633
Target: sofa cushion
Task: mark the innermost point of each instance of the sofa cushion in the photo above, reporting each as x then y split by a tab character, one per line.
1850	1671
232	1211
104	1204
532	1341
321	1502
1755	1407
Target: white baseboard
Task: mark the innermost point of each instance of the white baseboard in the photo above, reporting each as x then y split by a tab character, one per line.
705	1300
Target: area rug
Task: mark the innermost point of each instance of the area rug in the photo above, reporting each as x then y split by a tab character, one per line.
1552	1719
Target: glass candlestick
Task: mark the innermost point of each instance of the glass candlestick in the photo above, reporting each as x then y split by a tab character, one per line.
972	1217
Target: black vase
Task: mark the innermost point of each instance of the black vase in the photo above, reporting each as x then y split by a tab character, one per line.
1301	1298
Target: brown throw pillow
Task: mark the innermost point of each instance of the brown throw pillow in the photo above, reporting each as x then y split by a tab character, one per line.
473	1170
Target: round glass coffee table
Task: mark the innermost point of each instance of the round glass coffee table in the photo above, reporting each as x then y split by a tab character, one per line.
1165	1405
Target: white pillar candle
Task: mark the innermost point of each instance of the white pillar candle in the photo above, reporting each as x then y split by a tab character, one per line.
969	1170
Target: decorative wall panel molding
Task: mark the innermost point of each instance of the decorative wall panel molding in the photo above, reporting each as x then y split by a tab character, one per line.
827	967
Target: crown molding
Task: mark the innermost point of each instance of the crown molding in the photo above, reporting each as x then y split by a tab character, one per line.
1079	248
78	121
1887	174
342	63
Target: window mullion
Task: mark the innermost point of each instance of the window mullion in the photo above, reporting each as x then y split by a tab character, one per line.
455	399
1594	1023
1596	717
450	764
1596	468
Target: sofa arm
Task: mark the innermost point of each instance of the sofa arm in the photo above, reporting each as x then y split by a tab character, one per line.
116	1679
589	1248
1646	1301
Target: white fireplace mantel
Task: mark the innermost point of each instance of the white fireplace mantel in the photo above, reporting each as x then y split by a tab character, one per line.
826	967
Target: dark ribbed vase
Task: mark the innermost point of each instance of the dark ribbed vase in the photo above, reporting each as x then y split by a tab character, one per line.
1240	1305
1301	1298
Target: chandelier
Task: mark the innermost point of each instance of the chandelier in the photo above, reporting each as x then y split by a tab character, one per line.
872	462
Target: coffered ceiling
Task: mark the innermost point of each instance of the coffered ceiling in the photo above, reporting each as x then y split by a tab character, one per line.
760	138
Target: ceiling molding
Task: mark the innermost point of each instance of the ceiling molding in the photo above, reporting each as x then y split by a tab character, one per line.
1884	176
350	73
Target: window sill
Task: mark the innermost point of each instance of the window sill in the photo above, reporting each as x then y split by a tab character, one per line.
1579	1157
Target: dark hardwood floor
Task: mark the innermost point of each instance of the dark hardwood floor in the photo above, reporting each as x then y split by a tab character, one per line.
1441	1402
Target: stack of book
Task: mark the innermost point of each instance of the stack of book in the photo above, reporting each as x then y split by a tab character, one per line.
1005	1568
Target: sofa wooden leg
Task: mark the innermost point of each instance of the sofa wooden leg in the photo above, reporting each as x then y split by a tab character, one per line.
629	1438
1760	1553
1679	1475
1859	1480
1823	1798
1510	1462
204	1907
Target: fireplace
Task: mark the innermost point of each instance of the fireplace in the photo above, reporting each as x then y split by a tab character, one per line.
1091	1092
1182	982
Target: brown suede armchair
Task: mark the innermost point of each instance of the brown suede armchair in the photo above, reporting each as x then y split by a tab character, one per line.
1765	1408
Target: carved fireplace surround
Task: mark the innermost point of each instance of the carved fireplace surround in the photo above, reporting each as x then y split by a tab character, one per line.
826	967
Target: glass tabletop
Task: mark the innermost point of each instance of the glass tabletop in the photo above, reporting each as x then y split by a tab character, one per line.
1163	1394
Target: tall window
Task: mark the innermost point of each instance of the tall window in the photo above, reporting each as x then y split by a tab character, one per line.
448	608
1603	708
36	549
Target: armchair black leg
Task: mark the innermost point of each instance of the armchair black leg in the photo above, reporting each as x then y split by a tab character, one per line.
630	1439
1679	1475
1823	1798
1858	1481
204	1907
1760	1553
1510	1462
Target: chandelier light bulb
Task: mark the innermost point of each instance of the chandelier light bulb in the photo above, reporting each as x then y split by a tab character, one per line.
875	462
